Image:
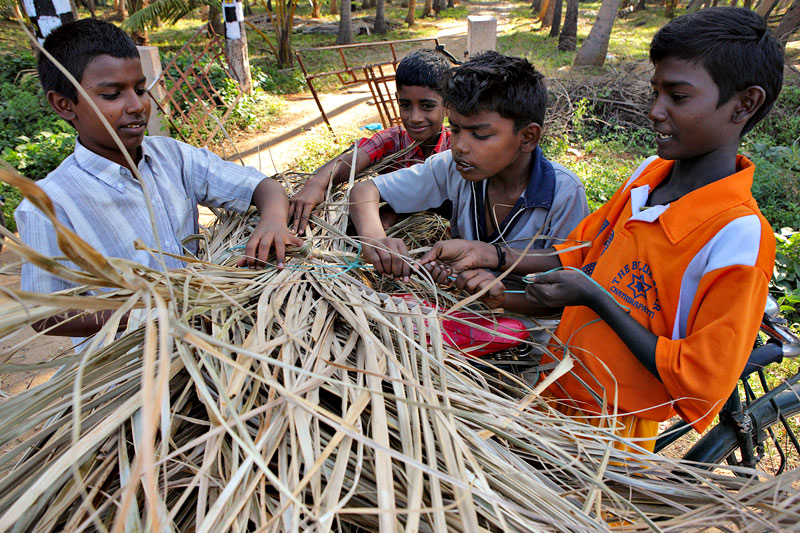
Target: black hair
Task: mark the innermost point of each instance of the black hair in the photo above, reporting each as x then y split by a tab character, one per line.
735	47
509	86
423	67
75	45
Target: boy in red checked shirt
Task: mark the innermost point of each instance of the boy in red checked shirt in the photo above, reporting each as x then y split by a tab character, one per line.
422	113
662	307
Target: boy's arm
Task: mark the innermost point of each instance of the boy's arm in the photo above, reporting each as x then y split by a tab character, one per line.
337	170
69	324
270	200
390	256
450	258
572	287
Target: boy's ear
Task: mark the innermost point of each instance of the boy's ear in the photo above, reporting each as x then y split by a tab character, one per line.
62	105
750	101
530	137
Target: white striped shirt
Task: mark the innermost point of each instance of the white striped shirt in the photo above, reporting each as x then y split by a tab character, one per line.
104	204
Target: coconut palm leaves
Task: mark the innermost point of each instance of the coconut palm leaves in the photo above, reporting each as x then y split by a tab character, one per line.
304	399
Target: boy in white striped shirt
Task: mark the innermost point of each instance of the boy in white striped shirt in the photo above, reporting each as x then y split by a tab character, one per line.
94	190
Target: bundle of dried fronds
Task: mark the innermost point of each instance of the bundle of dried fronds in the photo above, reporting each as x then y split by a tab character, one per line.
620	100
303	400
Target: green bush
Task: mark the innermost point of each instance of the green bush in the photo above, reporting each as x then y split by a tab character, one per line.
786	281
36	157
320	145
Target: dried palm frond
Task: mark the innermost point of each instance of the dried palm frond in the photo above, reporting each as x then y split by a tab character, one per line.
303	399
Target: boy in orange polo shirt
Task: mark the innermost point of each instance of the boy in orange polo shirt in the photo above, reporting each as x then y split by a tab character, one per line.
662	306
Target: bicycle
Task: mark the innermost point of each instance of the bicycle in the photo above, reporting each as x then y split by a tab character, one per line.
752	424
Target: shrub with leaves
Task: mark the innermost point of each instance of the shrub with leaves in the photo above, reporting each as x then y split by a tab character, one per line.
786	281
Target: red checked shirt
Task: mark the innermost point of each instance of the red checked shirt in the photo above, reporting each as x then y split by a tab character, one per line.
396	139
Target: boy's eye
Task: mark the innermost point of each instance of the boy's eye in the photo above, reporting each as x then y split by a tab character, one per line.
677	97
404	105
429	107
480	137
110	96
140	92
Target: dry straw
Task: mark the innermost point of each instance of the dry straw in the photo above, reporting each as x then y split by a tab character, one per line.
306	400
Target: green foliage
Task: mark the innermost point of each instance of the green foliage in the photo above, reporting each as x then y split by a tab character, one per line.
169	11
321	145
12	197
36	157
786	281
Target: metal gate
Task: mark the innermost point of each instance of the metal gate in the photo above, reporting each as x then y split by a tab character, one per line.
196	110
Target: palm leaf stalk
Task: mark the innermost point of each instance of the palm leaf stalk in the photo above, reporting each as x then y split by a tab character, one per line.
309	399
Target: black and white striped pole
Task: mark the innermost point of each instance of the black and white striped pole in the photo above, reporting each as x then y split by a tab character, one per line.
47	15
236	44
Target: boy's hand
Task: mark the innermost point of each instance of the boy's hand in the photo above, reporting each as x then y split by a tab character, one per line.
390	256
473	281
303	203
267	234
562	288
456	256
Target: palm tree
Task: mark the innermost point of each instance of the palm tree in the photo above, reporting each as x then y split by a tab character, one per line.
345	35
555	27
592	52
568	38
789	23
380	18
412	5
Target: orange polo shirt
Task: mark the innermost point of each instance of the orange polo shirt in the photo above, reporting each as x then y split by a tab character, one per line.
694	272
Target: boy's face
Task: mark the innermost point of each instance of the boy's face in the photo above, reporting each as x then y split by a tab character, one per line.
685	114
421	110
117	86
484	144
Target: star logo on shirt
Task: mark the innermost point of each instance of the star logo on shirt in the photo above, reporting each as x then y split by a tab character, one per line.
639	286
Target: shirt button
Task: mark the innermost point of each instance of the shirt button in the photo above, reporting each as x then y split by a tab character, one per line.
120	186
168	244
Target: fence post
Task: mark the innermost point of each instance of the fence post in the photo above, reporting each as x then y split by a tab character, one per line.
481	34
236	44
151	66
47	15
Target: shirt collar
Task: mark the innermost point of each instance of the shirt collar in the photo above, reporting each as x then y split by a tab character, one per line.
678	220
102	168
541	187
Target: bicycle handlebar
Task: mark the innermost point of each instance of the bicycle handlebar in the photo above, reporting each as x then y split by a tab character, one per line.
762	356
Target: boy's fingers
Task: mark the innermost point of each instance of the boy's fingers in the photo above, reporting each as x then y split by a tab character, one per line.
431	254
280	253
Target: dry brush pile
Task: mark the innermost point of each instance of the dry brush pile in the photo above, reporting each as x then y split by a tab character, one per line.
309	399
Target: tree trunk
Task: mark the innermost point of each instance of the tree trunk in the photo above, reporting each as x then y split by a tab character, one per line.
536	5
412	5
140	37
748	4
427	8
766	7
789	23
345	35
215	21
439	5
380	18
121	8
316	9
334	7
669	9
734	3
556	27
568	38
641	6
547	21
592	52
544	5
